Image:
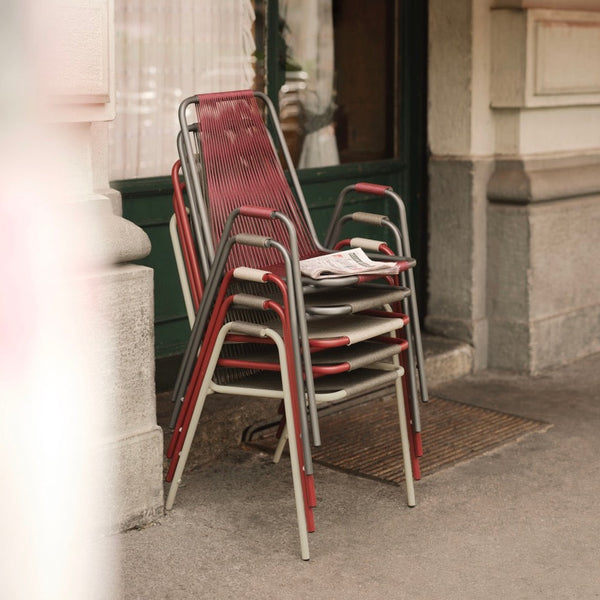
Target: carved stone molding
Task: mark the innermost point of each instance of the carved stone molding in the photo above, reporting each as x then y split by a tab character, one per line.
523	181
545	58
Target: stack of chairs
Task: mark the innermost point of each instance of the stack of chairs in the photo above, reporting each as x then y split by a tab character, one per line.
259	326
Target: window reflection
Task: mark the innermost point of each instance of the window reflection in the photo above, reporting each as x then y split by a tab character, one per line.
310	86
336	104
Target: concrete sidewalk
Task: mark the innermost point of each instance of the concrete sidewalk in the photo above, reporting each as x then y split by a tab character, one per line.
522	522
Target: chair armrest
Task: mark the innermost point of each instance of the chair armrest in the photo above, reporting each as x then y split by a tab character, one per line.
363	188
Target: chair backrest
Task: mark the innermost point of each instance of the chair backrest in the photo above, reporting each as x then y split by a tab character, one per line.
240	167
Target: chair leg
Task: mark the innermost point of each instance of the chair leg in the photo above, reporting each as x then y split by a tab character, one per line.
182	457
418	342
418	442
416	467
404	437
300	480
414	423
411	368
411	410
308	478
280	445
297	482
193	385
408	361
295	458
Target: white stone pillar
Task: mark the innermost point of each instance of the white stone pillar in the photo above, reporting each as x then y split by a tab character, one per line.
78	78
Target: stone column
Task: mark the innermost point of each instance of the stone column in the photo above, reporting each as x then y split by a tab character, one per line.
544	215
514	212
461	143
79	82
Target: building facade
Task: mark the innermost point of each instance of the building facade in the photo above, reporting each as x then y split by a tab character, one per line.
514	178
513	203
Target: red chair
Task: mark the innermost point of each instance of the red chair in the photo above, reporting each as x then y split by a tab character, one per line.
242	252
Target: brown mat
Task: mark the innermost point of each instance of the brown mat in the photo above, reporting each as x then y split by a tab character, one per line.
363	438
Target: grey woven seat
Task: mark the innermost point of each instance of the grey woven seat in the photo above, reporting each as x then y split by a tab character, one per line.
329	388
352	299
344	358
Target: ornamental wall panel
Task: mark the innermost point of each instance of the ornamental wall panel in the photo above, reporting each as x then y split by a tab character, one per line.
545	58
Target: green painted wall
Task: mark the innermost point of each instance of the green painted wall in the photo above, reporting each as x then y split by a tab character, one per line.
148	203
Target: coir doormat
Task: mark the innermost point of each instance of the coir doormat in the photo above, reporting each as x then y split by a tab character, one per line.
363	438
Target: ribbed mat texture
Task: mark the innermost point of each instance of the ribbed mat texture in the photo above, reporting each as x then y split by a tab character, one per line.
363	438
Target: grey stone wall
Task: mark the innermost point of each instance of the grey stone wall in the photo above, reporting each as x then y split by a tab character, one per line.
514	179
133	445
458	251
544	251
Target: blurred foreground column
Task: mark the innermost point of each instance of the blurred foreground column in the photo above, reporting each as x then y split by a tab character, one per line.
78	429
81	85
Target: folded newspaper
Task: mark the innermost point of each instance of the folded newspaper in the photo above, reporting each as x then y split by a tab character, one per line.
348	262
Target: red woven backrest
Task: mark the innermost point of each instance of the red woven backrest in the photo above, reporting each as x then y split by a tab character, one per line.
241	168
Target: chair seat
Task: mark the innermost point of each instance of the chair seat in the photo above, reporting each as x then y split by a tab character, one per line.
336	300
345	330
352	299
328	389
334	360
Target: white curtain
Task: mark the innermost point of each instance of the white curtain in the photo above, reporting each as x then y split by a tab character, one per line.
167	50
310	40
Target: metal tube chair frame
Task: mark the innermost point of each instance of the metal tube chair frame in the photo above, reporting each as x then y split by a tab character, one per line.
222	304
294	450
305	438
299	494
292	273
182	271
402	240
179	227
187	268
197	186
257	276
254	241
259	241
225	246
200	221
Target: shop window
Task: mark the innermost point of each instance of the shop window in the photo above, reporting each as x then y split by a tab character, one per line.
164	52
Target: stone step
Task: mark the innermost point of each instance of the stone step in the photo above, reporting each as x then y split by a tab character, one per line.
446	359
